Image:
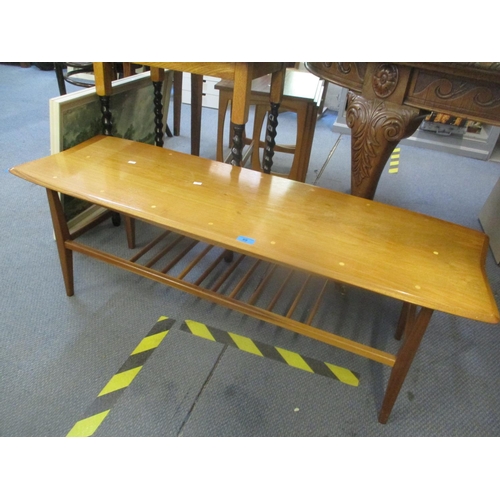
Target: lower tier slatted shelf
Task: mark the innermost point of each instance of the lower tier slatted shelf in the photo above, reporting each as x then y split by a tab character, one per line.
286	297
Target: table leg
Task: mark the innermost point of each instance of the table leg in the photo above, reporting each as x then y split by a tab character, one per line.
237	144
224	99
196	101
106	118
130	231
377	127
239	109
62	235
306	124
103	77
272	124
158	110
177	102
275	96
103	73
258	120
406	320
157	77
404	359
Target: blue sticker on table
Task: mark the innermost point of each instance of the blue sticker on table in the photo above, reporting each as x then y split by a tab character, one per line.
246	239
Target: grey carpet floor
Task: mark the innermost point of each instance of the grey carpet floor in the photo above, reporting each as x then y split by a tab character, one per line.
57	353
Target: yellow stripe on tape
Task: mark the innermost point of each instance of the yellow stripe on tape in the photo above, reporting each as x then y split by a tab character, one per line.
120	380
394	161
245	344
294	359
199	329
87	426
344	375
150	342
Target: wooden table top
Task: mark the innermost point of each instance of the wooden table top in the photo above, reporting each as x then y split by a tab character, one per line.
227	70
385	249
300	85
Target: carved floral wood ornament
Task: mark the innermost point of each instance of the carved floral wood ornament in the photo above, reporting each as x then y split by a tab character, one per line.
377	126
385	80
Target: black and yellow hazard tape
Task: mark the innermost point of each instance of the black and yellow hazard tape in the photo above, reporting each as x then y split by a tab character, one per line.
276	353
100	408
394	162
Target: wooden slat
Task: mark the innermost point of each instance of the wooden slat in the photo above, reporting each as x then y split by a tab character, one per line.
179	257
209	269
195	261
315	307
149	246
164	251
280	291
296	301
243	280
272	268
227	273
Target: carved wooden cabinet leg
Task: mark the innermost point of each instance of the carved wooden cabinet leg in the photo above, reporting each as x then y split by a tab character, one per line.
377	127
403	362
107	122
158	109
272	123
62	235
237	147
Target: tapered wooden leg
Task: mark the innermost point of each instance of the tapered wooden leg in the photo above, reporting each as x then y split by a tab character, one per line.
406	319
403	362
62	235
130	230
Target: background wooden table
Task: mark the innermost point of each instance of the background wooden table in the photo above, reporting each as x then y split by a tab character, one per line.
242	73
388	101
